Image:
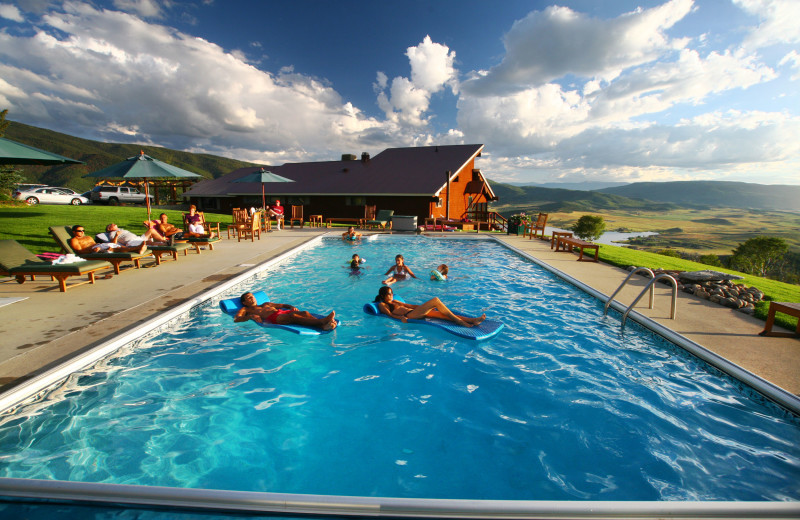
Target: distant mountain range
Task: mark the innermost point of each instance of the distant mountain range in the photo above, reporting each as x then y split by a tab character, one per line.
550	197
580	186
98	155
655	196
714	193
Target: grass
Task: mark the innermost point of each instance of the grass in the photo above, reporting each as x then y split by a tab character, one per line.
774	290
28	226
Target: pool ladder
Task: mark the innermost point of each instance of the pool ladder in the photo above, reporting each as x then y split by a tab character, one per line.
655	278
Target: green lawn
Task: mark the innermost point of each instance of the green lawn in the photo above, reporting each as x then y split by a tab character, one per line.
28	226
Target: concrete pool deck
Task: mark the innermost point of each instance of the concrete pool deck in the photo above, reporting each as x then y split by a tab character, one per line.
49	327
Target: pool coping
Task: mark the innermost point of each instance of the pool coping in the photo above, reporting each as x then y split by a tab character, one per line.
239	501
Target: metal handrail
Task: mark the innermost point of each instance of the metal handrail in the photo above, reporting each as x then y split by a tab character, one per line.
650	286
630	275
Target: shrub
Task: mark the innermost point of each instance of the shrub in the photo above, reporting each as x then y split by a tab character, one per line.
712	260
670	252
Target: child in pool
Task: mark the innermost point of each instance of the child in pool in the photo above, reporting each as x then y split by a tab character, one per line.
442	270
355	264
400	271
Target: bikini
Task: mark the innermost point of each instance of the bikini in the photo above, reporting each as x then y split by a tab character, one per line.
392	308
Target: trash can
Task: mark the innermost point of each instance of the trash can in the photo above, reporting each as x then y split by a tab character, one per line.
404	222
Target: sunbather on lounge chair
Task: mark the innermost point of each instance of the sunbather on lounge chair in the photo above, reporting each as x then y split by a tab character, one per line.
83	244
123	237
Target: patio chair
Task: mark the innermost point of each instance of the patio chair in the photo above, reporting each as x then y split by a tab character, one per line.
382	219
249	226
297	216
369	212
63	234
17	261
537	228
240	216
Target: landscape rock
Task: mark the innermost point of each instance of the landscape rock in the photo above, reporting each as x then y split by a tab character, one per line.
707	276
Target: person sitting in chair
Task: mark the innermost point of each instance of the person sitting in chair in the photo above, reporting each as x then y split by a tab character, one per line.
164	228
123	237
276	212
82	244
196	224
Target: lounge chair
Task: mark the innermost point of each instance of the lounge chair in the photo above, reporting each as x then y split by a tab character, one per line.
63	234
210	227
17	261
159	251
382	219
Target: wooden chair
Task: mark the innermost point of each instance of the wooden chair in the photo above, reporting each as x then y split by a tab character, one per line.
297	216
369	213
240	218
537	228
251	227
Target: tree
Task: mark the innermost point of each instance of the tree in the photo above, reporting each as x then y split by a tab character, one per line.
589	227
3	123
760	255
709	259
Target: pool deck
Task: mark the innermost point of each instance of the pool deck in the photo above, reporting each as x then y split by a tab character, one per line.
49	327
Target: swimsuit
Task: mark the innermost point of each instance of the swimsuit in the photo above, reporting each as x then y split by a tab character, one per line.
272	318
402	308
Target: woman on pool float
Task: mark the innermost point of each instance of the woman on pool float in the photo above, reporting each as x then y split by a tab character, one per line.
280	314
430	309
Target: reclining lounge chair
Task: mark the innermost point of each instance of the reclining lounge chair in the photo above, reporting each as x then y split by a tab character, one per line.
63	234
382	219
17	261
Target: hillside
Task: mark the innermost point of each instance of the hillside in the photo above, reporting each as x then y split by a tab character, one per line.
98	155
533	199
714	194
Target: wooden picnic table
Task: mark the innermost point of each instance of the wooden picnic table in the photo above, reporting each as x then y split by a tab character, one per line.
556	235
580	244
792	309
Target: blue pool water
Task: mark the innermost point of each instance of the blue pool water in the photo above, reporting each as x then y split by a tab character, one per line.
562	405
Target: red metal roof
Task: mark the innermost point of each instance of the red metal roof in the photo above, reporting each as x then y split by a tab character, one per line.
395	171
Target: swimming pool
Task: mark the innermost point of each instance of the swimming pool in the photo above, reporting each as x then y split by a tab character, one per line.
561	406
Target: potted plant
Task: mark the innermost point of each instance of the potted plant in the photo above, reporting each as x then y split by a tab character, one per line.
517	221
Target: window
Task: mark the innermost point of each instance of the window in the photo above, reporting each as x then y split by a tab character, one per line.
439	202
355	201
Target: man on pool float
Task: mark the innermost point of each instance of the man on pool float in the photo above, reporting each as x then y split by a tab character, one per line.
280	314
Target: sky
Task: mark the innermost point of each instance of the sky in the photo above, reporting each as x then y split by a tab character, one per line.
581	90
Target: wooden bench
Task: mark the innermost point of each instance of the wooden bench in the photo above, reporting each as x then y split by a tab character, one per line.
580	244
359	222
792	309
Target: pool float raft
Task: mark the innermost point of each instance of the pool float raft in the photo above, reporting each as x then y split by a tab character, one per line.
487	329
232	305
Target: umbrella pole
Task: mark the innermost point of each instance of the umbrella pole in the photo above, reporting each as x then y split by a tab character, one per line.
263	199
147	199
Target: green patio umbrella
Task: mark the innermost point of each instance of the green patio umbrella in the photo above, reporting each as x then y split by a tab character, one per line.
142	167
263	176
12	152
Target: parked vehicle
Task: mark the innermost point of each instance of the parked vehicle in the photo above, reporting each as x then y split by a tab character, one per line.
117	195
51	195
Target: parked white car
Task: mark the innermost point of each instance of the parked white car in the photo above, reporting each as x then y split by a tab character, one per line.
51	195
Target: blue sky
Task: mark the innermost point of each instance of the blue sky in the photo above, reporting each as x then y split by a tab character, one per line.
580	90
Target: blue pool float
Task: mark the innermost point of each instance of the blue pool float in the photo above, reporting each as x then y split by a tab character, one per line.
232	305
487	329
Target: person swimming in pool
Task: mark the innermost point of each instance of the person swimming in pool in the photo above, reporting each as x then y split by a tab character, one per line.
355	264
280	314
433	308
442	270
400	271
351	234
